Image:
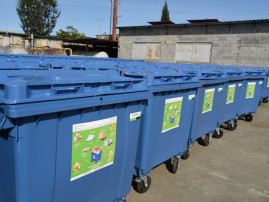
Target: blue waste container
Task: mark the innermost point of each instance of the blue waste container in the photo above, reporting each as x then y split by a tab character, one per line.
252	89
166	121
68	137
231	99
205	119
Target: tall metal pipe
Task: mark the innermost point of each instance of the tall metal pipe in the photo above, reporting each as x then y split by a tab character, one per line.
110	19
115	18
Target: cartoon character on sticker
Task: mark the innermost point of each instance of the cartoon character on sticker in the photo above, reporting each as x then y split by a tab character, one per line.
164	124
177	112
77	138
207	104
166	107
76	166
175	107
171	107
172	118
178	120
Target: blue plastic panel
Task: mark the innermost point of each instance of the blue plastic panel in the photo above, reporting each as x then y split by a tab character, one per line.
32	88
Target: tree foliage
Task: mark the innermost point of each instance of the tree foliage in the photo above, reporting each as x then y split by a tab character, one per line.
165	13
71	33
38	17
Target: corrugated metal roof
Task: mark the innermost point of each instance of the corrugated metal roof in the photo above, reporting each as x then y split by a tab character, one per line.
197	24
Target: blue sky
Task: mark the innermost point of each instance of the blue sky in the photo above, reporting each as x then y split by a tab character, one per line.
92	16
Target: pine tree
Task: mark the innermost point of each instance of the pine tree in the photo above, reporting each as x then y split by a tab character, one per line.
38	17
165	13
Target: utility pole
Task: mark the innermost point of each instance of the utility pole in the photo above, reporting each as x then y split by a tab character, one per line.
115	18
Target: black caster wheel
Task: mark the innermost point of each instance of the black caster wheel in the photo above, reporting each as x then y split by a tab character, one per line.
206	140
232	125
187	153
249	117
173	164
218	134
265	100
142	185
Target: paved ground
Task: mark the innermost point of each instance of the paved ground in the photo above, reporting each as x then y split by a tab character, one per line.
233	168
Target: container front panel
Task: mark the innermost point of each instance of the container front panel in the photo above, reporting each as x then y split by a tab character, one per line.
29	156
96	150
165	128
250	96
231	101
206	111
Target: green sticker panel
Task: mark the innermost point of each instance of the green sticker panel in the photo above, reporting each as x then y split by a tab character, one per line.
250	90
172	113
230	94
268	83
93	146
208	100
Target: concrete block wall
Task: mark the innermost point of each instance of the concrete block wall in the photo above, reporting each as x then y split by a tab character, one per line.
246	49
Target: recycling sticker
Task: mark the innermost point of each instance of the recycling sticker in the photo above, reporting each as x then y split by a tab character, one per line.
230	94
208	100
93	146
250	90
172	113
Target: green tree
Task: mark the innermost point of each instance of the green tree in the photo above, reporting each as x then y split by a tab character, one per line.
165	13
71	33
38	17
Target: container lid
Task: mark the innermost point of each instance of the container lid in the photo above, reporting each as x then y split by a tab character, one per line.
5	74
161	77
251	73
206	74
35	88
231	74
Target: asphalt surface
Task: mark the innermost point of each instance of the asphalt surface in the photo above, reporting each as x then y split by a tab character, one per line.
233	168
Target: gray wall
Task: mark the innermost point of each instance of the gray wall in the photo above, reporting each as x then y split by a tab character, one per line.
232	44
9	39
